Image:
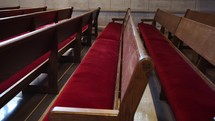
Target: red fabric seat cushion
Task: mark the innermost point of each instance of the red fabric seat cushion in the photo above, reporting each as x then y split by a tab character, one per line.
111	31
190	98
92	85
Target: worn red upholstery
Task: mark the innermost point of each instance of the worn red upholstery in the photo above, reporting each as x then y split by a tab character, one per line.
99	67
111	31
190	98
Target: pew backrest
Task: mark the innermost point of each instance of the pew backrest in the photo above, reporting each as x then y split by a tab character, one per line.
6	8
44	18
64	13
202	17
18	49
9	27
15	12
68	28
32	10
167	21
29	22
200	43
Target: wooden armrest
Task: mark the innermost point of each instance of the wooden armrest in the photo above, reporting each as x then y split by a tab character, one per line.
83	114
147	20
117	19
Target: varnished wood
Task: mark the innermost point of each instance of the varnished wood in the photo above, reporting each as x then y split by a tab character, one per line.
95	21
18	53
29	22
15	12
167	20
200	43
202	17
133	78
6	8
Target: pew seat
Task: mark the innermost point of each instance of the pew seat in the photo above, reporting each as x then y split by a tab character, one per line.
111	31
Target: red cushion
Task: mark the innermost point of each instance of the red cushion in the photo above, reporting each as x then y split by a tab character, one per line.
190	98
92	85
111	31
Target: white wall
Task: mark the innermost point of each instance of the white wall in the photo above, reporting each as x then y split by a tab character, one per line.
9	3
114	8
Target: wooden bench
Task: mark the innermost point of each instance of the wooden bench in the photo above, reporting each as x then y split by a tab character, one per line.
188	92
30	22
91	28
6	8
93	94
15	12
205	18
26	57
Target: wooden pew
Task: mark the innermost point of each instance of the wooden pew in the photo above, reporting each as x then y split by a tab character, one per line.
118	68
6	8
29	22
15	12
95	22
49	45
205	18
202	17
188	92
90	27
